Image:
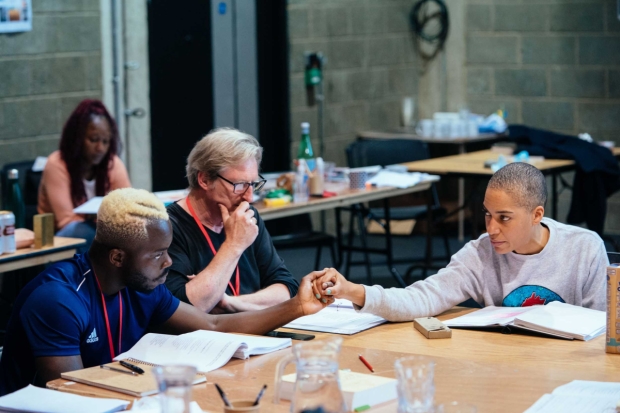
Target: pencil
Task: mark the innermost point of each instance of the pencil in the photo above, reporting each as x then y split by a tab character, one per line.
103	366
367	364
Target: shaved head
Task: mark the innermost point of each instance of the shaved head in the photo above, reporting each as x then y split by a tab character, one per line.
523	182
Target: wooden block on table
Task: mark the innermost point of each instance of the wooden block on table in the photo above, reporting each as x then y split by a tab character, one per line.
430	327
43	225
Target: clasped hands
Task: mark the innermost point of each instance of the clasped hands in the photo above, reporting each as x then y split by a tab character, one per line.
329	285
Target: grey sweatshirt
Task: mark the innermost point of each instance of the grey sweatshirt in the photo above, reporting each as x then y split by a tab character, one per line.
571	269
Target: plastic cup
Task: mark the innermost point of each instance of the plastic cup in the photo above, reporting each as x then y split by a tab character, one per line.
416	386
175	387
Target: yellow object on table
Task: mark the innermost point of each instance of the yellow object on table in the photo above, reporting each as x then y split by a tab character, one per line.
276	202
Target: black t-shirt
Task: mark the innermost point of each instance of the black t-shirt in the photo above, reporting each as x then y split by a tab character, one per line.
259	266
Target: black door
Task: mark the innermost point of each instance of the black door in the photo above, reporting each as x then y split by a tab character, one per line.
180	82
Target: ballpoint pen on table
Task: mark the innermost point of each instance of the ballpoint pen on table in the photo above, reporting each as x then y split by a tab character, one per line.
131	367
222	395
118	370
260	394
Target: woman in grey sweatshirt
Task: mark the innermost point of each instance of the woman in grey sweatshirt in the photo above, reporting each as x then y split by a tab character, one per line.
523	259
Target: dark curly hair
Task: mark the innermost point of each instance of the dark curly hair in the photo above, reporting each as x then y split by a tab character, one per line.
72	143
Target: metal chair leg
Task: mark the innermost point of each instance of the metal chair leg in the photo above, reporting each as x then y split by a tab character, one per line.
317	260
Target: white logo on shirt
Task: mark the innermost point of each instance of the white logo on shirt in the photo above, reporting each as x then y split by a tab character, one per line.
93	337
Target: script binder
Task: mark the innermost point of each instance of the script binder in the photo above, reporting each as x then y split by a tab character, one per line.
206	350
556	319
138	386
339	317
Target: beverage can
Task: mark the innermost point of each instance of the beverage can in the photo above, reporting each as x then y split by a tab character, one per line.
8	231
613	309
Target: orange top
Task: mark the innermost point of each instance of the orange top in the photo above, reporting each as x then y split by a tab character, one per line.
55	188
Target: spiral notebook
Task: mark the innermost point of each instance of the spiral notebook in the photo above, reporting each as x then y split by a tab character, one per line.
138	386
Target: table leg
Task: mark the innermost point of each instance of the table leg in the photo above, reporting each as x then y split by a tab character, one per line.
554	206
461	200
338	238
388	246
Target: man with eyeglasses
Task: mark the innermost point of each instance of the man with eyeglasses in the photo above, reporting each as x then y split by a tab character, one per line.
223	259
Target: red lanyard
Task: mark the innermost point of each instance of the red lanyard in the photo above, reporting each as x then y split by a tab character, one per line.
107	321
204	232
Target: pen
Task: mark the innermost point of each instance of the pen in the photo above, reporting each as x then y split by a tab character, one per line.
222	395
367	364
260	394
131	367
118	370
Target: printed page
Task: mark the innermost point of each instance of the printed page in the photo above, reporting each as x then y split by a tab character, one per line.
338	318
488	316
589	388
250	345
207	353
551	403
36	399
579	322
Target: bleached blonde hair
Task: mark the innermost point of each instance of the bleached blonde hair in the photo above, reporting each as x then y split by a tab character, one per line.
124	215
221	148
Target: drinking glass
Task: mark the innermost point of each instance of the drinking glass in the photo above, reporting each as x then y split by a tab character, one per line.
175	387
416	386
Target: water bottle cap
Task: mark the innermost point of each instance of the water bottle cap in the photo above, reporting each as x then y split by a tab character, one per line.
305	127
13	174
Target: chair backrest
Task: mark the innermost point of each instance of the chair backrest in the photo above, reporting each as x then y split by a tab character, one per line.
368	152
29	184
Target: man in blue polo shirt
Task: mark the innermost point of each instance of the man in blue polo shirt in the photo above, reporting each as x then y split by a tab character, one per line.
85	311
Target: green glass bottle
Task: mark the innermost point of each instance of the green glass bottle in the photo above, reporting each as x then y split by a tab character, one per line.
16	202
305	147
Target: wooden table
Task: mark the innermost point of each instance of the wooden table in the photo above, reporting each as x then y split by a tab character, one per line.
471	165
27	257
494	371
461	142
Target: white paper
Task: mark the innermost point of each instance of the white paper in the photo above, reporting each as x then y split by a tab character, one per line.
36	399
488	316
206	350
339	318
580	396
167	197
39	164
397	179
556	317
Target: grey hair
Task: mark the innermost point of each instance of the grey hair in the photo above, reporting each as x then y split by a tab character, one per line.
221	148
524	182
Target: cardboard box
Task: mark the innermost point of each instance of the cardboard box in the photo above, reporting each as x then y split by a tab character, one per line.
430	327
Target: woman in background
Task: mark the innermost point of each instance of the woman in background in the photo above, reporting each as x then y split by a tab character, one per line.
85	166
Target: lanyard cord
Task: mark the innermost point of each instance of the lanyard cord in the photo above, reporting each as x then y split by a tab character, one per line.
206	234
107	321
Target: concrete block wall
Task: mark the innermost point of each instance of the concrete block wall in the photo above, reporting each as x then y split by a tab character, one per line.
371	65
45	73
553	64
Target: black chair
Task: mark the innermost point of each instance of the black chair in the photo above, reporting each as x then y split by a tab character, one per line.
389	152
29	184
297	232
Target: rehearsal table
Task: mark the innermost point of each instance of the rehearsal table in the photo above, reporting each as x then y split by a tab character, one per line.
62	249
496	372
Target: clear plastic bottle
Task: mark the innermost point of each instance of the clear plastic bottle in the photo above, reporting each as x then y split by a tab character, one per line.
15	203
300	193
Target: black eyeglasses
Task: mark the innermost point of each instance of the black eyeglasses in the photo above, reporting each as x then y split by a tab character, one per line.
240	188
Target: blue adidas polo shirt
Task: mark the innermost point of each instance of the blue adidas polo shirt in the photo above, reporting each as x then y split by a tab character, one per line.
59	313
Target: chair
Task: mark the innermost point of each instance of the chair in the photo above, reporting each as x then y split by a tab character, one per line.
388	152
296	232
29	184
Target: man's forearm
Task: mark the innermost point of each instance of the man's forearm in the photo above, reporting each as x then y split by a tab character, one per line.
207	288
272	295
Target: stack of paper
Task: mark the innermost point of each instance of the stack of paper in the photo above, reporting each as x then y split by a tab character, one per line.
579	396
37	400
340	318
556	319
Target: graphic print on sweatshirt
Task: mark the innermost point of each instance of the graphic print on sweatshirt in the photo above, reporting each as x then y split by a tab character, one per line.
528	295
